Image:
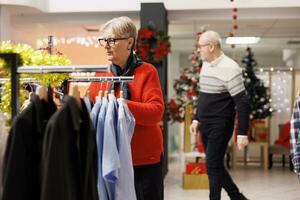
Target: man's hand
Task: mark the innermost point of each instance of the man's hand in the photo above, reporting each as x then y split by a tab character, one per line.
194	127
242	141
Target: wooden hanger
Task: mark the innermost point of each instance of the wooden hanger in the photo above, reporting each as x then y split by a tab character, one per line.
75	93
100	93
42	92
121	89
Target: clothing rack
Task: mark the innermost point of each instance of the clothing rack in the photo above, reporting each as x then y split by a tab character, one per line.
13	60
115	79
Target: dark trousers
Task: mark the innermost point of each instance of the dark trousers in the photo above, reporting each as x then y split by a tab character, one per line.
215	138
148	180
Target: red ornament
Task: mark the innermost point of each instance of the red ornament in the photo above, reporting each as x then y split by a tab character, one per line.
230	34
234	9
234	17
183	77
233	46
235	26
191	93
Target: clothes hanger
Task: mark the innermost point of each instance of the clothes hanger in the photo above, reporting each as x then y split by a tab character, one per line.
100	91
112	91
106	88
75	93
42	92
121	89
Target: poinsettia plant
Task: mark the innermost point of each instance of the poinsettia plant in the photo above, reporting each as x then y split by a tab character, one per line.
152	44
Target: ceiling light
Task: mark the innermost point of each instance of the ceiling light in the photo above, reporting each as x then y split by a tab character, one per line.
242	40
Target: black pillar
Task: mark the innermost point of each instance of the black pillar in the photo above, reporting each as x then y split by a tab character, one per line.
13	61
155	14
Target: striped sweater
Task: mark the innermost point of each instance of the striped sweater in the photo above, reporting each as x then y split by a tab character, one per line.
222	93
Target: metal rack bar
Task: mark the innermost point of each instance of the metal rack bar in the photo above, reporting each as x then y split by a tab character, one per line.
61	69
103	79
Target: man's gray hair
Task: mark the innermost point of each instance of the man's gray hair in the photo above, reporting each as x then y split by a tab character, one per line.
212	37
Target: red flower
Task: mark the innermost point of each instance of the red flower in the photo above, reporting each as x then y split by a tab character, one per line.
161	50
146	33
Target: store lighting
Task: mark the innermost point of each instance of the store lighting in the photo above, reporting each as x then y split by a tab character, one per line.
242	40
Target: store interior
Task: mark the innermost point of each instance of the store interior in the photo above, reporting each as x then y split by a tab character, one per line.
75	29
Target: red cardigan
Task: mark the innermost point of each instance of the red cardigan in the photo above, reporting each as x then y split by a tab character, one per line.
147	106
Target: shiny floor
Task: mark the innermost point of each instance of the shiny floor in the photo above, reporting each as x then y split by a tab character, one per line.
275	184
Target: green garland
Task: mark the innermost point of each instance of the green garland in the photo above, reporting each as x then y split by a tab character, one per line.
31	57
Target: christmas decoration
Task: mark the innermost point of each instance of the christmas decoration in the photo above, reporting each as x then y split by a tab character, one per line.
31	57
152	44
258	94
186	88
234	25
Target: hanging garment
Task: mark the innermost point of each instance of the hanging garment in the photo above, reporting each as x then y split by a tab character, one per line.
88	104
147	106
110	159
69	167
103	195
125	184
95	111
21	174
294	138
3	139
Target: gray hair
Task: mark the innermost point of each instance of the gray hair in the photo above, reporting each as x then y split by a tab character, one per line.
120	26
212	37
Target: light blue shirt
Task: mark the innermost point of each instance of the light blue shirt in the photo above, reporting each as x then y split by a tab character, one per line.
110	159
125	185
95	111
103	194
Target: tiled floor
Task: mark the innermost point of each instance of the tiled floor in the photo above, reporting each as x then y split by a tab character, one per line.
257	184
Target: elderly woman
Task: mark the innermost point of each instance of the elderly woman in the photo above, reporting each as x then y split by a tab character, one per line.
144	99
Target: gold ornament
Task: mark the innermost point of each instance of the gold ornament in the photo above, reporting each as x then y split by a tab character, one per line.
31	57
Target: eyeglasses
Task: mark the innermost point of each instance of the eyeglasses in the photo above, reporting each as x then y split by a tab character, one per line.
109	42
202	45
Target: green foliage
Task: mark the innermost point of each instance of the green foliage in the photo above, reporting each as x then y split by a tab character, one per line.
258	93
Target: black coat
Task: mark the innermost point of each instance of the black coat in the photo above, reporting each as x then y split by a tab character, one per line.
21	172
69	169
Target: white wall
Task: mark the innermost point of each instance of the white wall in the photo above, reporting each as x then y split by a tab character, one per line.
5	26
173	72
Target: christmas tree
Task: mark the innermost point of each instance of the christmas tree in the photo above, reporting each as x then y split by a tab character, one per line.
257	92
186	88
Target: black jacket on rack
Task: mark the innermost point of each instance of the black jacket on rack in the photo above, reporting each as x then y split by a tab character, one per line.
69	165
22	160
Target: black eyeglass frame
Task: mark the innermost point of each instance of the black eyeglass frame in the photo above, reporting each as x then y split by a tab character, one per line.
110	41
